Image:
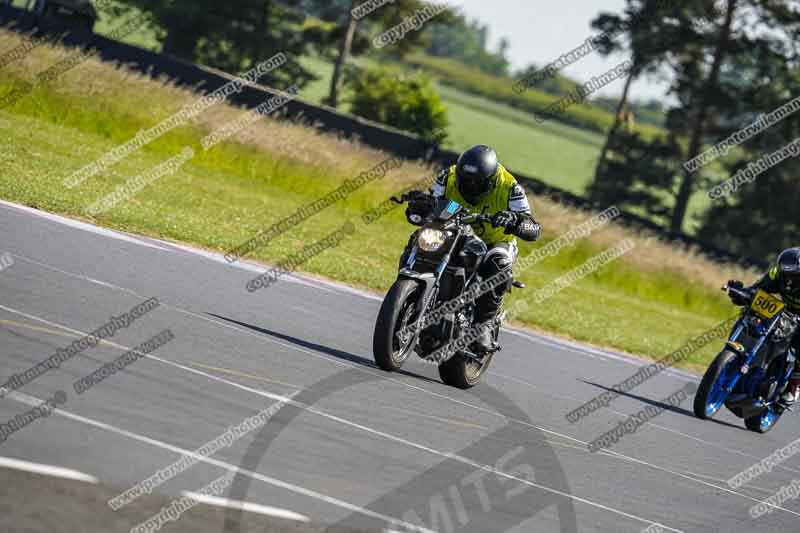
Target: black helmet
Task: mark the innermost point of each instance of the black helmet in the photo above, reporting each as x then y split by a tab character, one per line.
789	271
476	172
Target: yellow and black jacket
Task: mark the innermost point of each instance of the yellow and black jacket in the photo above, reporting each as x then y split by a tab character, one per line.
507	195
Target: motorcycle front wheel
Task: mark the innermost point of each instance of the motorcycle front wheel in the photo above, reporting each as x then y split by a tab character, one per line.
712	392
399	310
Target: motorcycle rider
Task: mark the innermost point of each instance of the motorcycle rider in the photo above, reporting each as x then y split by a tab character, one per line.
481	184
784	279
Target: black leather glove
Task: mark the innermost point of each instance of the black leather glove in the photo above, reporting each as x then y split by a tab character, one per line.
528	229
420	206
736	298
505	219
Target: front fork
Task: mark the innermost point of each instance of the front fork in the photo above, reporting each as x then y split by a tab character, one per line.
749	356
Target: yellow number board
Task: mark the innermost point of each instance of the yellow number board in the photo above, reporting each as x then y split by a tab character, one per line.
766	305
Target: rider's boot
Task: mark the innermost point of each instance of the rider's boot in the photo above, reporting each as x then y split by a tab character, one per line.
484	343
487	305
484	319
789	397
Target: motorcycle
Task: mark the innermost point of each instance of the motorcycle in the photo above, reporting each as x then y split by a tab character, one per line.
753	369
438	277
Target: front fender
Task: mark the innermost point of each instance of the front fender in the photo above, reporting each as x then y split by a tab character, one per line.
427	280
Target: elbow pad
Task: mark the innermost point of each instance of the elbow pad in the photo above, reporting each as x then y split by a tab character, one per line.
528	229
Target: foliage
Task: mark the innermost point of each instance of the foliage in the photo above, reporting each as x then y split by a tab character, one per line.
226	195
383	18
234	36
466	41
406	101
637	174
727	62
760	220
650	112
500	89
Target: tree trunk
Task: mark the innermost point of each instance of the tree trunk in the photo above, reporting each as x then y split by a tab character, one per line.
623	101
344	52
696	139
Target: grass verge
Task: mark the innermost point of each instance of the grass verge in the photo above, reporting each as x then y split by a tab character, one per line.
649	302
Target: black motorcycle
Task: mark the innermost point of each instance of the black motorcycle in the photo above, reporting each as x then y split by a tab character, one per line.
751	373
438	278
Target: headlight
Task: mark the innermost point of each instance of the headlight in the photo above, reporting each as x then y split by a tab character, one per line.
431	240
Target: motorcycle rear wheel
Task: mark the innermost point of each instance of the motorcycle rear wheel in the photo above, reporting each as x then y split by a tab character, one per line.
463	372
399	309
763	422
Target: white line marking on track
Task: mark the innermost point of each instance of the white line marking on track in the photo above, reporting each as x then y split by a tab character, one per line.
422	389
375	432
649	423
596	352
33	401
47	470
556	342
246	506
85	226
319	284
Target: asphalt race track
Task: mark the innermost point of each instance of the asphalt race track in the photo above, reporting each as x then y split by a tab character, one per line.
347	447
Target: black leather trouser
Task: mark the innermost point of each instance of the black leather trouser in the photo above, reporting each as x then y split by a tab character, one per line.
500	258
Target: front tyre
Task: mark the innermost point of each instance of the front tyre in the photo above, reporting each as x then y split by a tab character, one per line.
712	392
399	310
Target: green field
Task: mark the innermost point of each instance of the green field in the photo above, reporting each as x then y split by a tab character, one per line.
648	302
560	155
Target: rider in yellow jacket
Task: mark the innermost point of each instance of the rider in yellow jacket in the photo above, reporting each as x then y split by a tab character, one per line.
481	184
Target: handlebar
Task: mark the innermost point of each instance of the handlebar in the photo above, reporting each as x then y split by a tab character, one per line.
743	293
467	218
472	219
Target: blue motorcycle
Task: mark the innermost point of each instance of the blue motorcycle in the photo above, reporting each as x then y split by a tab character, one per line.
753	369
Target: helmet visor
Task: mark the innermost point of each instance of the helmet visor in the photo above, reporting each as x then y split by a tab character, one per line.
473	186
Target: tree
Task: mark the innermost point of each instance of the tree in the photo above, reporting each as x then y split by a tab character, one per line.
719	64
639	175
656	32
759	218
407	102
232	37
466	41
706	97
340	11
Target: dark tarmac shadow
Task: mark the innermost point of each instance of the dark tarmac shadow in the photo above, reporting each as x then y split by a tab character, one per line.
333	352
664	406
